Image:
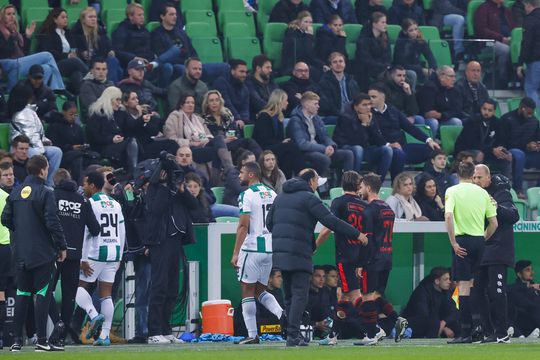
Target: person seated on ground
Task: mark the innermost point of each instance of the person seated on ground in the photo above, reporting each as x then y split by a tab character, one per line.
480	134
44	97
187	128
190	82
319	303
233	187
307	131
373	51
286	11
520	134
356	131
220	122
436	167
143	125
25	121
259	84
55	37
91	41
7	178
473	91
235	92
330	38
322	10
402	200
65	133
104	133
428	198
524	299
202	214
445	13
409	50
337	88
393	124
135	82
331	279
299	46
431	312
365	8
405	9
94	83
300	82
272	176
19	147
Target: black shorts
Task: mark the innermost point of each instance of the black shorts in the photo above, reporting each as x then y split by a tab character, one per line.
348	278
5	266
466	268
374	280
35	279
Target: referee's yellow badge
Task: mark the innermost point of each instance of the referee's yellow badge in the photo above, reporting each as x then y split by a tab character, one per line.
25	192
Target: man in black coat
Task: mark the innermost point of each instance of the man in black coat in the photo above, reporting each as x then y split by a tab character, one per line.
299	83
235	92
260	85
292	220
472	90
490	289
44	97
286	11
524	299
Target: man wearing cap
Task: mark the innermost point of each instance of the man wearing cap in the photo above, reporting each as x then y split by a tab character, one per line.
44	97
524	299
292	220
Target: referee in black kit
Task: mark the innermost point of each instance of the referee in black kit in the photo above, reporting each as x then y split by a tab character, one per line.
466	208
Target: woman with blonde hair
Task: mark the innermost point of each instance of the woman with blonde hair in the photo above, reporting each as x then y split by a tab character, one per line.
402	201
220	121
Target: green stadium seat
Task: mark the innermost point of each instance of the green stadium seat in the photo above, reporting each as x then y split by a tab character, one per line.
273	42
200	29
393	33
4	136
28	4
112	26
412	140
73	14
152	25
60	100
35	14
4	2
330	129
113	4
244	17
522	209
515	44
335	192
226	5
387	3
263	14
227	219
218	193
430	32
187	5
316	27
201	16
533	196
353	32
441	52
235	30
428	4
384	193
65	4
118	314
248	131
513	103
114	15
449	135
471	9
209	49
145	4
245	48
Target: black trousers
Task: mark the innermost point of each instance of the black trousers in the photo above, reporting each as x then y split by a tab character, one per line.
491	299
75	69
164	284
68	272
296	289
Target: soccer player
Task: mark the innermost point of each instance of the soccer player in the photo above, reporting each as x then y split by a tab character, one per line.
101	257
252	255
466	208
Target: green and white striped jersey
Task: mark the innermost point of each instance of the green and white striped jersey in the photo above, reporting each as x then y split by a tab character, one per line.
257	201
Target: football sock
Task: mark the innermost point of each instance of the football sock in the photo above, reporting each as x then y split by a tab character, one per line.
465	316
249	311
84	300
269	301
107	309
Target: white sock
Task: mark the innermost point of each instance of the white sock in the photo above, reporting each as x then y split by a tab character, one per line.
154	64
269	301
107	309
84	300
249	311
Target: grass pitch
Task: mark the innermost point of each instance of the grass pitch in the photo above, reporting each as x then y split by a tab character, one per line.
387	349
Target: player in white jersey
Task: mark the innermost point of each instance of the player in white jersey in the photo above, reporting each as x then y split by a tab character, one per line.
252	255
101	257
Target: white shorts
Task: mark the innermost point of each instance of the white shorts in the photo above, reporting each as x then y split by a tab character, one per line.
103	271
254	267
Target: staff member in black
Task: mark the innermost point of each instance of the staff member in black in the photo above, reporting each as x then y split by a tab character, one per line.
498	256
38	241
292	220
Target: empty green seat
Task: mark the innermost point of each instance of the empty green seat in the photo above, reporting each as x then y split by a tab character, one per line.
187	5
35	14
353	32
200	29
73	15
244	17
152	25
263	14
533	195
114	15
4	136
515	44
65	4
113	4
449	135
248	131
243	48
28	4
218	193
471	9
441	52
235	30
201	16
226	5
430	32
209	49
393	33
273	41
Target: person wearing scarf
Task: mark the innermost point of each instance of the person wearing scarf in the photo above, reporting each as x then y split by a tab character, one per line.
402	201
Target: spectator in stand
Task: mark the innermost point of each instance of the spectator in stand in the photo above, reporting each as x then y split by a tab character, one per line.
55	37
187	128
402	201
440	100
92	41
220	122
260	85
13	49
530	50
322	10
365	8
299	83
269	132
431	312
373	54
330	38
445	13
20	146
405	9
272	175
25	121
44	97
94	83
520	134
356	131
392	124
190	82
410	46
104	133
518	13
235	92
286	11
524	297
135	82
428	197
7	179
309	134
202	214
157	5
233	187
473	91
337	88
493	20
436	167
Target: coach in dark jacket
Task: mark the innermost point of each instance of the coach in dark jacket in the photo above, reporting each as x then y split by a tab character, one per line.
292	220
286	11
